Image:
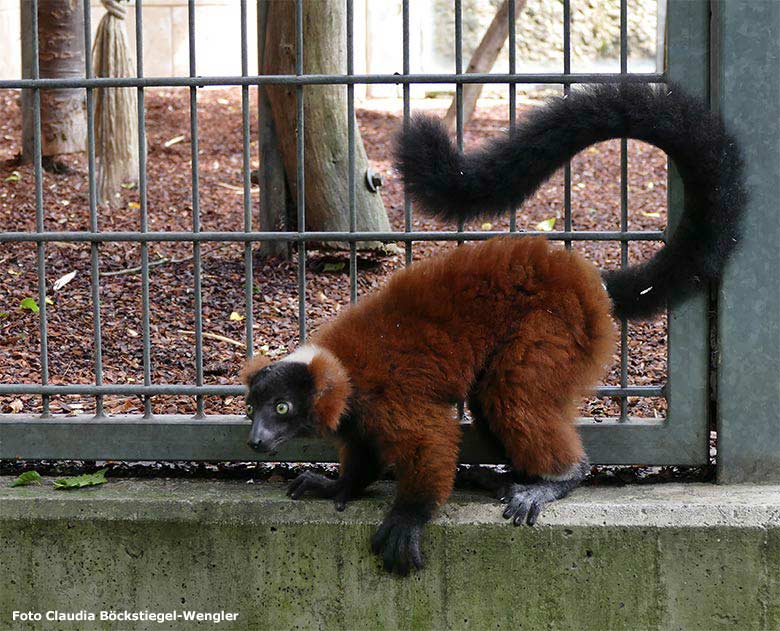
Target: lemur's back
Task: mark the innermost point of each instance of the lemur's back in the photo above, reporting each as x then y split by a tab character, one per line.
435	324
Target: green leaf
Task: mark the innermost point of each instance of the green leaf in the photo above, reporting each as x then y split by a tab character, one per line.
3	315
49	301
333	267
27	478
80	481
547	225
29	303
14	177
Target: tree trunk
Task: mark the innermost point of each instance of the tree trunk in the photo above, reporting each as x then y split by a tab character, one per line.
326	125
275	199
482	61
61	55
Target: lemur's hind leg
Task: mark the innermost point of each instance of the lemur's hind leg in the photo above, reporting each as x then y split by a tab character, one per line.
526	398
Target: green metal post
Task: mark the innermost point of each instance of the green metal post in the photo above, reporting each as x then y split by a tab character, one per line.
748	86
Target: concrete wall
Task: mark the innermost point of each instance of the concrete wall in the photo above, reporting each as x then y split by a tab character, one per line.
636	558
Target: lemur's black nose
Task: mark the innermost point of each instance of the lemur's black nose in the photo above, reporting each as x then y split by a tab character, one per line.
255	444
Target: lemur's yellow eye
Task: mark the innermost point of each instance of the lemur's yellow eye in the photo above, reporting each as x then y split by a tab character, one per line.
282	407
249	410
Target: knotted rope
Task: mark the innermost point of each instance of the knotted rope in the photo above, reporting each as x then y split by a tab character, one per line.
116	109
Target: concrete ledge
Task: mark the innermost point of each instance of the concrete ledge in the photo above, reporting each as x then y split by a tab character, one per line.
653	557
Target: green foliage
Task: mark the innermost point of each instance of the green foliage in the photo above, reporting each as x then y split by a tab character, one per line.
30	304
27	478
80	481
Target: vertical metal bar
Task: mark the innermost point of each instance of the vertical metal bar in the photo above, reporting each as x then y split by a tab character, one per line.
247	165
39	219
687	386
459	86
407	115
300	173
351	151
459	70
623	212
93	214
143	211
512	90
567	223
196	258
459	111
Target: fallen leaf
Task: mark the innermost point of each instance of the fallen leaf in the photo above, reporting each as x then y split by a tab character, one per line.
48	301
651	214
547	225
14	177
133	205
173	141
235	316
79	481
16	406
487	226
27	478
64	280
333	267
29	303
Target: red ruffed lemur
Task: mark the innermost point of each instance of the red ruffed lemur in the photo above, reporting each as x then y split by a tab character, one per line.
517	328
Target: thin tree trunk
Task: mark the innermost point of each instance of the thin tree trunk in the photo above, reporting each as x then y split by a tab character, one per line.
325	108
61	55
274	194
482	61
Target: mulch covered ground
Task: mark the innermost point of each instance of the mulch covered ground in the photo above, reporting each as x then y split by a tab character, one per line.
595	201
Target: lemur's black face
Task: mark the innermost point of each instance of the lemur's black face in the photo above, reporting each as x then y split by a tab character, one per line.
279	402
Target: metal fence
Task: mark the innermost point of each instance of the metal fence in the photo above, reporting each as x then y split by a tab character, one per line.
681	438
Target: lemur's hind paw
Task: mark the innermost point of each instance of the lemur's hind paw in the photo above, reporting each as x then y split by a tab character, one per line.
397	541
526	501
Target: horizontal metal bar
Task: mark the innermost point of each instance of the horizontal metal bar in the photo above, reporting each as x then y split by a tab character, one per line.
143	237
228	390
329	79
224	438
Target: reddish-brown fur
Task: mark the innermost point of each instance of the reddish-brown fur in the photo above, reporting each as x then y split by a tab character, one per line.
517	326
331	389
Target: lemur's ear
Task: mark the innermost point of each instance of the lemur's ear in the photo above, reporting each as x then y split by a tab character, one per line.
252	367
331	389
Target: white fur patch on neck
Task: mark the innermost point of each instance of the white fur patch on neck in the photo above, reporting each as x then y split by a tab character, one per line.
303	355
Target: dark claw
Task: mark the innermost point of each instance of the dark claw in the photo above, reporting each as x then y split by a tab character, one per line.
534	513
397	540
526	501
317	485
521	512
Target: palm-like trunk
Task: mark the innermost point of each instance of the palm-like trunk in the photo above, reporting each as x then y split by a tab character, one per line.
60	55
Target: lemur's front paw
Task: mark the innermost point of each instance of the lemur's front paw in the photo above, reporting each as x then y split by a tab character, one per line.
397	541
319	486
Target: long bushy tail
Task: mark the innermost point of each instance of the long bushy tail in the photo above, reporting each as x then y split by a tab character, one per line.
507	171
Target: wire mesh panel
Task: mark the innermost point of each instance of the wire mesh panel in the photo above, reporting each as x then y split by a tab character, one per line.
210	434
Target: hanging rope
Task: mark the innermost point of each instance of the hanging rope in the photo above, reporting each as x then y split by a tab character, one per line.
116	113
